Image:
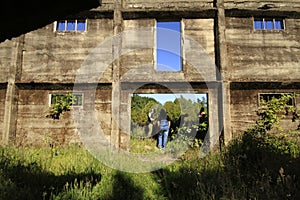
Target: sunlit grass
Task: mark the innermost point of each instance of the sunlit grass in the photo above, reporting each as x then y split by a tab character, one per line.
71	172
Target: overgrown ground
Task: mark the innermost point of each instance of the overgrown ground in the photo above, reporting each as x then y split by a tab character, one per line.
246	169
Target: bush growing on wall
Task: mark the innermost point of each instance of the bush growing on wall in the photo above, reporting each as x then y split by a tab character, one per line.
268	129
61	106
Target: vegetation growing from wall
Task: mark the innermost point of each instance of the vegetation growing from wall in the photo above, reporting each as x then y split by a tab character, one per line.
268	129
62	105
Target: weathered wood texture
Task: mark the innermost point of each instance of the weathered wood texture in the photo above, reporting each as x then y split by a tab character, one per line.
262	55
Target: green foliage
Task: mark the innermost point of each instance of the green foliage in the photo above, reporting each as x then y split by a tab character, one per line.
173	109
183	140
268	130
267	155
73	173
140	107
62	105
271	112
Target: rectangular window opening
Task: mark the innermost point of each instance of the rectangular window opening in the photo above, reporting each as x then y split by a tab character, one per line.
184	110
268	96
168	46
71	25
55	97
268	24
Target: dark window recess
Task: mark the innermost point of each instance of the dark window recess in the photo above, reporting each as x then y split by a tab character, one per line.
269	96
78	99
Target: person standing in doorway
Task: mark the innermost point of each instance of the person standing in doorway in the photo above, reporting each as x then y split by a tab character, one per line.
150	122
164	124
202	126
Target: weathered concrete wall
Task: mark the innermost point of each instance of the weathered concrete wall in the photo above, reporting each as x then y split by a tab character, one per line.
103	97
254	4
262	55
167	4
56	56
2	111
7	58
140	47
34	128
42	58
244	104
199	58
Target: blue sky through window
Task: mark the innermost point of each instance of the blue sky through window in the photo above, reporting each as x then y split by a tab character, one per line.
168	51
268	24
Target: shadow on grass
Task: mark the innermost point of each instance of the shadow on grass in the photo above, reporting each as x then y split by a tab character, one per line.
19	181
247	169
124	188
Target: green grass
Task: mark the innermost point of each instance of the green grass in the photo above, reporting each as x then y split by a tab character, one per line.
243	170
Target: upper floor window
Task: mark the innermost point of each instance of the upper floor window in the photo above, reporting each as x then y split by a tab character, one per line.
268	24
168	46
71	25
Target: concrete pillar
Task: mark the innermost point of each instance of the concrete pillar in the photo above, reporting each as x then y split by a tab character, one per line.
222	64
116	88
212	139
10	113
11	98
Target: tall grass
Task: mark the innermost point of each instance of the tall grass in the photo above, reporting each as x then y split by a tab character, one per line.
245	170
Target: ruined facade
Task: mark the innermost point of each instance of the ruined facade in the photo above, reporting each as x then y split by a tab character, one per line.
239	61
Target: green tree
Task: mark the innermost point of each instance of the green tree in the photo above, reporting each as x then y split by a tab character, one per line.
140	107
172	109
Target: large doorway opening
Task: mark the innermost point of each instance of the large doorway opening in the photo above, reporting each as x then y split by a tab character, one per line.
188	114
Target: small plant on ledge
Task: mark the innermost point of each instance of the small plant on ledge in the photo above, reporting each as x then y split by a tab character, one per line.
62	104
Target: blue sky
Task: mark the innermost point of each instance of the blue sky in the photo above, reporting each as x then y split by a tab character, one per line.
168	40
163	98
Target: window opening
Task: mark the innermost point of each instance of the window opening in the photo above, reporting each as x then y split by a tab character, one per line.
188	114
78	98
168	46
71	25
268	24
268	96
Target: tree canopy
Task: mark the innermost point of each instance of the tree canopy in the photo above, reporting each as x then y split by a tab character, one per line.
140	107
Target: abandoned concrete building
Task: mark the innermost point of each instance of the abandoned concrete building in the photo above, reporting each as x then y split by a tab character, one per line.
235	51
